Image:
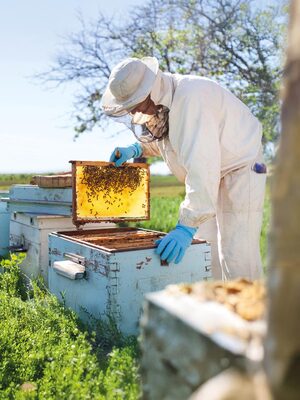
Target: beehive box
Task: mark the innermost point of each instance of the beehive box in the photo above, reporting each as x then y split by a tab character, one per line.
108	272
34	212
29	232
43	201
53	181
190	333
103	272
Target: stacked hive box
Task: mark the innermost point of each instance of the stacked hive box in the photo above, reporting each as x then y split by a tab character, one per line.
34	213
188	336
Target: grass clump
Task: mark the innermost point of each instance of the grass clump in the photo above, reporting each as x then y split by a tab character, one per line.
163	212
47	353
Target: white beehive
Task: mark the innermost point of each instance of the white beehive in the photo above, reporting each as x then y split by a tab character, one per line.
29	232
108	272
34	213
120	267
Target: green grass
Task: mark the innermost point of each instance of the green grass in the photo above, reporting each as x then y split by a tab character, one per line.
47	353
165	181
166	186
164	213
6	180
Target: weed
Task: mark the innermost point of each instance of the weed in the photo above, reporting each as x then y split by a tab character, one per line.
12	281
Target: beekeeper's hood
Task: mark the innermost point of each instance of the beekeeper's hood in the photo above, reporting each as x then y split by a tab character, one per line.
131	81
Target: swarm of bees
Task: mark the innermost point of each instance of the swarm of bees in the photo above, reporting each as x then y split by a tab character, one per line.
111	183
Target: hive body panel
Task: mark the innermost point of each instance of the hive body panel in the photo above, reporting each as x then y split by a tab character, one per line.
115	282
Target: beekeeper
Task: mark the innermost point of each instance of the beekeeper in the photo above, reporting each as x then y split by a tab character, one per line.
210	141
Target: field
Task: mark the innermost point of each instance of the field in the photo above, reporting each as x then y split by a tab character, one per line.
6	180
46	352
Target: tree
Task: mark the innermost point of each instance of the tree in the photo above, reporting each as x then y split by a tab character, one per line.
229	40
283	339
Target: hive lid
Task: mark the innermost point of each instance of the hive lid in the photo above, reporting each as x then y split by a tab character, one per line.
103	192
62	180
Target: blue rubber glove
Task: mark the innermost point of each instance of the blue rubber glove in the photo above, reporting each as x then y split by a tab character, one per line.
126	153
174	244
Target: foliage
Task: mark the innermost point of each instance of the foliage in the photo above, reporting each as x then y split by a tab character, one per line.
165	181
46	352
235	42
15	178
11	279
164	214
7	180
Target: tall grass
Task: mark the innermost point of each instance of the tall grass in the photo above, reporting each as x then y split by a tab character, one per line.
164	214
46	353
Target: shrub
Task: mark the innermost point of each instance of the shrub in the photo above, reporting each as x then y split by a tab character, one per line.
12	280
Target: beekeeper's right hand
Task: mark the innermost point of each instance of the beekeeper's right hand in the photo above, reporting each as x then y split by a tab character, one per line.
122	154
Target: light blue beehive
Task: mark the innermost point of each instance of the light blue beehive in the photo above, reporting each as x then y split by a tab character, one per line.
107	272
96	281
4	226
34	199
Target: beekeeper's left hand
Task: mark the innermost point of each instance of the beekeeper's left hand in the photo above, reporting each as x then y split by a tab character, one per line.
174	244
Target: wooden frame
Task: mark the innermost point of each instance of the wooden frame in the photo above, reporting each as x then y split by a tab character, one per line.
80	221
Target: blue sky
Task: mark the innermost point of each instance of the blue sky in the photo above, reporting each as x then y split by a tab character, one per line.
35	128
36	134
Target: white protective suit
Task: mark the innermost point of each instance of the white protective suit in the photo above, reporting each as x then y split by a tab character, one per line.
213	142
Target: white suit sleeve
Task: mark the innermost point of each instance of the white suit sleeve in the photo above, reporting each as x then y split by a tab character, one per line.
199	152
150	149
